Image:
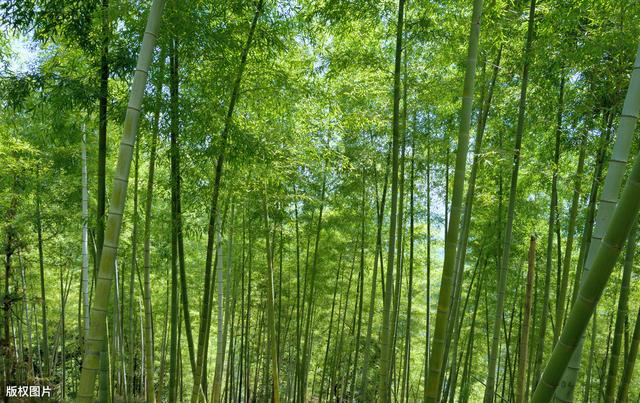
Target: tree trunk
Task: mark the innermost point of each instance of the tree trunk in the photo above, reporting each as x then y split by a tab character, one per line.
553	209
148	311
306	352
468	208
587	382
617	231
102	127
223	314
132	269
175	223
380	204
427	345
627	372
407	341
384	378
524	334
361	287
330	330
573	214
437	358
508	234
45	332
205	312
85	237
116	208
606	206
610	391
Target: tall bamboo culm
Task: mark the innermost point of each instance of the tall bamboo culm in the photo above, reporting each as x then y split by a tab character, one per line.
605	208
436	357
615	221
506	240
97	328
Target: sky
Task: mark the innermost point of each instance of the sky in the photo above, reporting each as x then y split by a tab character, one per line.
24	54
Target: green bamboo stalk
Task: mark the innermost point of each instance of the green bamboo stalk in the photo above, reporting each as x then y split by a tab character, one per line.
360	302
330	329
175	224
247	324
85	237
553	213
223	314
449	392
397	289
45	333
573	215
606	205
380	204
524	336
612	375
273	348
27	317
427	344
587	382
384	378
306	351
506	240
205	312
62	332
148	312
590	211
595	280
97	327
407	341
436	359
103	96
134	256
468	208
464	387
553	207
627	372
174	102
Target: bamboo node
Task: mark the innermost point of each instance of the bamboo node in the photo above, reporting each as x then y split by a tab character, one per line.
134	108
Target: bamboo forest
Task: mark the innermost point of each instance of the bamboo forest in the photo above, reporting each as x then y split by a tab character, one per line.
320	201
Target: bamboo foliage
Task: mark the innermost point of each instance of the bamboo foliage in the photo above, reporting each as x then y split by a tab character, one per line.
313	160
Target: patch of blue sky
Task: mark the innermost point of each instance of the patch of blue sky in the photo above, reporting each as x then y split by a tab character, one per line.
24	54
